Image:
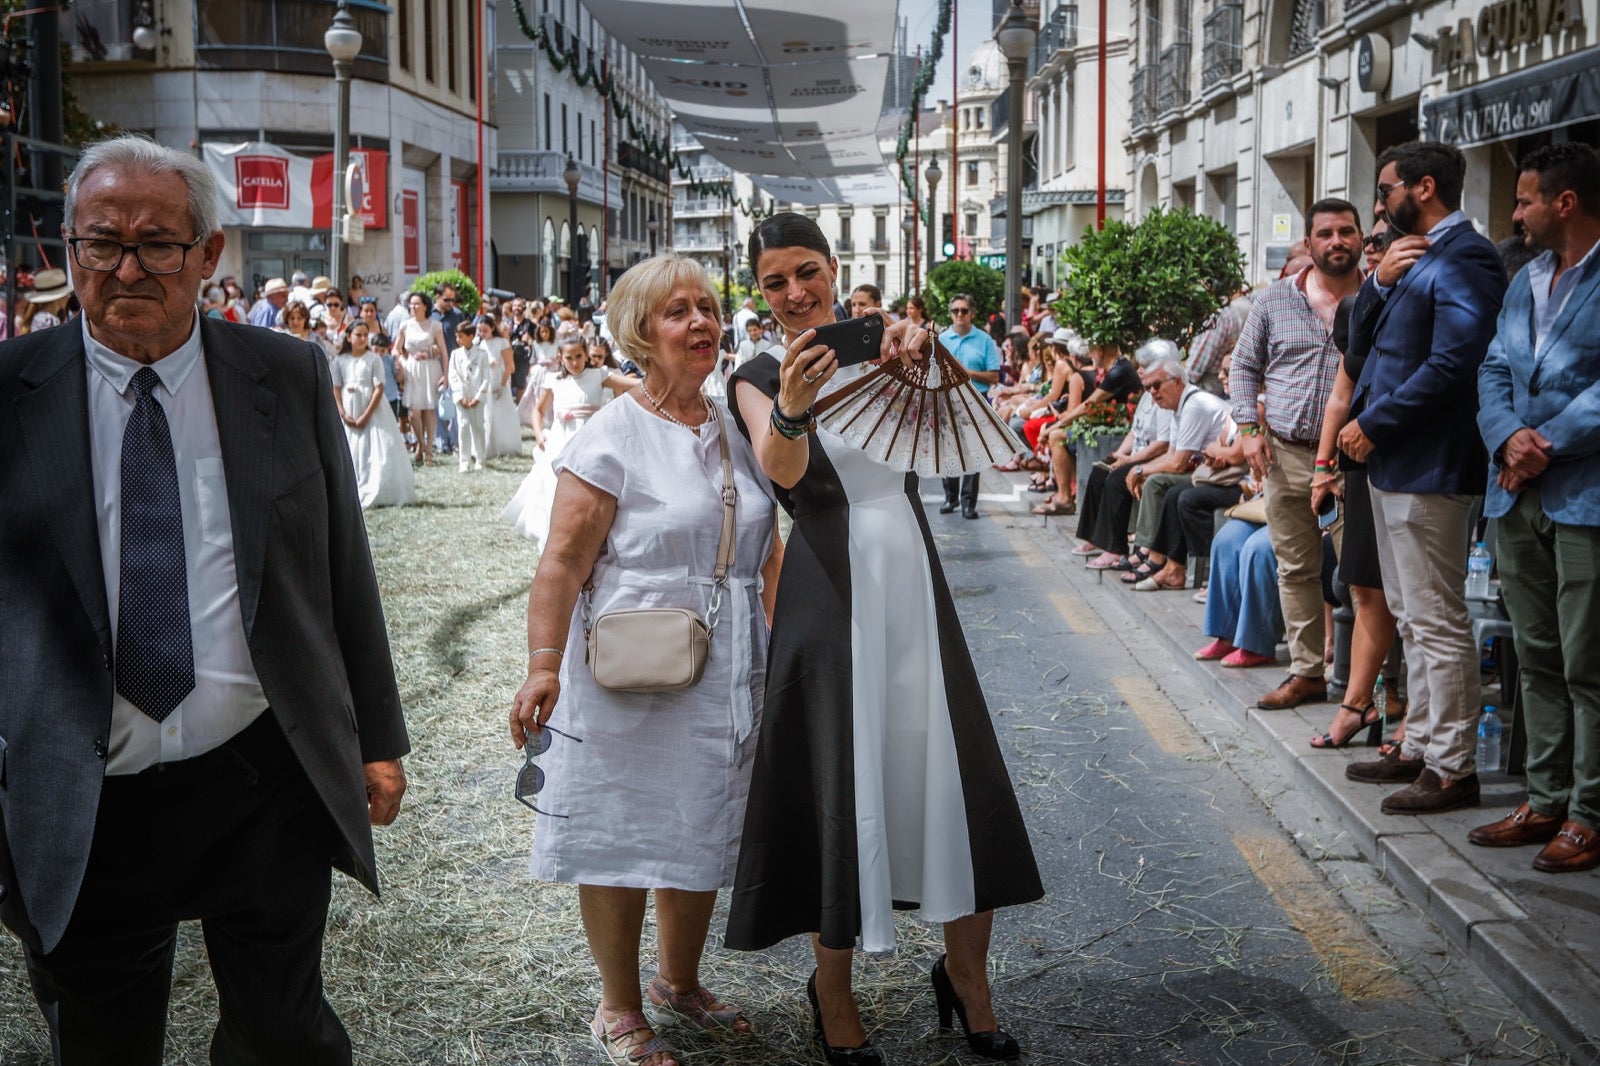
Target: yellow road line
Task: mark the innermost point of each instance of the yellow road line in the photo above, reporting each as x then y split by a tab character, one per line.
1356	964
1171	732
1028	552
1078	615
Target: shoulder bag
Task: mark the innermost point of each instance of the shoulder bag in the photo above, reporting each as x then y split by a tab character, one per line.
659	649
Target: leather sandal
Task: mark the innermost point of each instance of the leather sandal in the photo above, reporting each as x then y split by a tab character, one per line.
698	1009
1369	719
621	1045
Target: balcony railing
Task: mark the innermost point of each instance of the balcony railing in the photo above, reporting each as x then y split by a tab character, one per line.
1219	54
633	157
880	246
697	243
1058	33
844	244
542	172
1142	109
1173	71
709	206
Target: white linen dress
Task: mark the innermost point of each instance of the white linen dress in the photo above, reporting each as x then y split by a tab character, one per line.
500	413
655	795
383	466
574	399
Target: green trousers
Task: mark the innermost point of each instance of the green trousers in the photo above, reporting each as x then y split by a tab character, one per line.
1550	577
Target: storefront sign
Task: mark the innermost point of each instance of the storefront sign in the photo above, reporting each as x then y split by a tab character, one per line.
1373	62
374	208
460	256
1503	26
1543	97
260	185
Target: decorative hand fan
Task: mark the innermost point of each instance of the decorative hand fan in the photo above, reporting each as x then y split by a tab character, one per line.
926	418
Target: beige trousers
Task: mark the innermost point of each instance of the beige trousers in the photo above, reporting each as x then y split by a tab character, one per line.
1422	549
1297	542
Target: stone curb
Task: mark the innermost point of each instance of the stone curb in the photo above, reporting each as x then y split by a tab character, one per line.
1469	892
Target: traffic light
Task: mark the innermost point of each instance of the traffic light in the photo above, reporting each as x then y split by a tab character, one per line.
948	245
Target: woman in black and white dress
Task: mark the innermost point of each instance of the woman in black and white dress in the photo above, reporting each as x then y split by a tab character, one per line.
879	783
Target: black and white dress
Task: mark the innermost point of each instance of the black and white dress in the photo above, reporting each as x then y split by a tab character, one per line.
878	782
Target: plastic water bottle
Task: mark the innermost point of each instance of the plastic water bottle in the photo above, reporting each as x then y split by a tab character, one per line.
1489	730
1380	699
1478	566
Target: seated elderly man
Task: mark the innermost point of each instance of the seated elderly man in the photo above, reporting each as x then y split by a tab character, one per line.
1107	505
1198	419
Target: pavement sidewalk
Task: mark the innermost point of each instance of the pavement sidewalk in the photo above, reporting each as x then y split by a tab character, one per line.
1536	935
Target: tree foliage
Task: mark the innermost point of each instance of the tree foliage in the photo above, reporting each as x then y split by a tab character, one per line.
468	299
1164	276
986	286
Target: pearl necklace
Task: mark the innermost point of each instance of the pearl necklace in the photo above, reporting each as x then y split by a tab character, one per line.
668	415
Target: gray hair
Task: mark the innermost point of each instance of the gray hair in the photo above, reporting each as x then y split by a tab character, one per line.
642	291
131	152
1170	367
1152	351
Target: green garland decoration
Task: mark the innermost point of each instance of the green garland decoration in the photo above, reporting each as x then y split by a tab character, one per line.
919	90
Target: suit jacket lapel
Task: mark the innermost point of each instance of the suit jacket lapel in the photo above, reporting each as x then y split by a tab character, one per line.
55	434
1419	268
1582	293
246	418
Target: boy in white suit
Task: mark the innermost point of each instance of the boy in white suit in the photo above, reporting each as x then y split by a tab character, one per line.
472	377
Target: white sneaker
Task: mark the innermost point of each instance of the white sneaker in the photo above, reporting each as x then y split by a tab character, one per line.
464	467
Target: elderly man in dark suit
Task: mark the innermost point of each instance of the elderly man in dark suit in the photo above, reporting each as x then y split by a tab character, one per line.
1540	418
198	712
1434	296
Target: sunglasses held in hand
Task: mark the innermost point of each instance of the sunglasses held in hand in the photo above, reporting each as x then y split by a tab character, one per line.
530	779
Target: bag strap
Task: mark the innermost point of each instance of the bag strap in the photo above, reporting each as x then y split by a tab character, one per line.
725	542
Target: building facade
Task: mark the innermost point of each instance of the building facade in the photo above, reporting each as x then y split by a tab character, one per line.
546	119
707	228
251	88
1073	153
1250	112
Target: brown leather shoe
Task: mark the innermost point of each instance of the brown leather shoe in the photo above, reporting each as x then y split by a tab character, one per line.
1522	826
1576	847
1429	795
1294	691
1390	769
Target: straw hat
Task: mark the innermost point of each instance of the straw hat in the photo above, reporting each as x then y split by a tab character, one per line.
321	283
274	286
49	286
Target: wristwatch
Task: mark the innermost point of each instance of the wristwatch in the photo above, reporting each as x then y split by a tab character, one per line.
1138	470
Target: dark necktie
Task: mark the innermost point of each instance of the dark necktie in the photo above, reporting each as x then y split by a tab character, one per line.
155	648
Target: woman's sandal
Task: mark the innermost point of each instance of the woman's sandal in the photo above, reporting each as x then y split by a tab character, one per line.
621	1046
1051	508
1046	485
1369	719
698	1009
1140	572
1010	467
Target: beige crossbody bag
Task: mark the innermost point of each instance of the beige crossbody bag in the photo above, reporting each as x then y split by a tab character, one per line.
659	649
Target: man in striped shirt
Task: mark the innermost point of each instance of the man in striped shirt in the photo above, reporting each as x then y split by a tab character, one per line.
1282	372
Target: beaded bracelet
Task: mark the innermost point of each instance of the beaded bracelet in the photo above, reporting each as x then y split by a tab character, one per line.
1250	429
1324	464
792	428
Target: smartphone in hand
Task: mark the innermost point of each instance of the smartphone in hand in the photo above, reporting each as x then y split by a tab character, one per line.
855	340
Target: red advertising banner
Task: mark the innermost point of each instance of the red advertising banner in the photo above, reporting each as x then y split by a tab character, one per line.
410	228
460	254
262	181
374	208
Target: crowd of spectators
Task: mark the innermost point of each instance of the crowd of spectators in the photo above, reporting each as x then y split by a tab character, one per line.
1326	441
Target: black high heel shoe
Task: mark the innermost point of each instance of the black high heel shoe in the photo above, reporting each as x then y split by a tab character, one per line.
865	1055
994	1044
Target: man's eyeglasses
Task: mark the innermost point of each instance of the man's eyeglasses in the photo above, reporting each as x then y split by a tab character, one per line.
530	779
1385	190
961	310
155	257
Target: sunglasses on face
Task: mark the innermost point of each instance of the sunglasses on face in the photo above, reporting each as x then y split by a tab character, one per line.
530	779
1376	243
961	310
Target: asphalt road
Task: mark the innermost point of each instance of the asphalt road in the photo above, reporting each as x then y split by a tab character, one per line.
1183	924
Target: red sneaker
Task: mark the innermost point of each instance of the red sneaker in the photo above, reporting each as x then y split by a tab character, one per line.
1217	649
1244	658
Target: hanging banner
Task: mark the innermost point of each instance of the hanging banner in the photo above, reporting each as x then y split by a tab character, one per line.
855	118
714	32
460	255
413	220
260	185
374	166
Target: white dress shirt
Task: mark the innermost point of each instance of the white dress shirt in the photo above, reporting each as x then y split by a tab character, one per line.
227	695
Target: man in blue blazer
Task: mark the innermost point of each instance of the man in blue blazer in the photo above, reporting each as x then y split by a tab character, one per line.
1539	412
1434	297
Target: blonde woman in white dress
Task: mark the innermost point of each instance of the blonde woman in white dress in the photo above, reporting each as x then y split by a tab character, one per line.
650	802
568	399
420	343
383	469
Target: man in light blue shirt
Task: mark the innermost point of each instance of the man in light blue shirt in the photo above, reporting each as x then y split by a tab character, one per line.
267	309
1539	414
975	350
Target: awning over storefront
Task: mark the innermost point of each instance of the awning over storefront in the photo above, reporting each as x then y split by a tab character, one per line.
1543	97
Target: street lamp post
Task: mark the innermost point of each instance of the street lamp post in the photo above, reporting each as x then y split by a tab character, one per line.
653	224
933	174
908	226
1015	36
343	42
571	175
